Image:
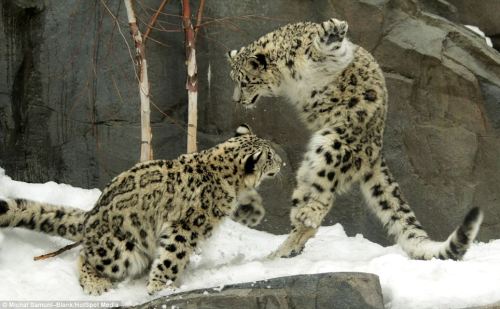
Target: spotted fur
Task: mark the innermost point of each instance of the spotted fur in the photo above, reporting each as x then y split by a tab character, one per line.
155	214
339	92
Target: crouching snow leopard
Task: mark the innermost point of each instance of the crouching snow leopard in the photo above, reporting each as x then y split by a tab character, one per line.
153	215
339	92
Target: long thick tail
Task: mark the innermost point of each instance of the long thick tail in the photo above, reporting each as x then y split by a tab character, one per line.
383	195
50	219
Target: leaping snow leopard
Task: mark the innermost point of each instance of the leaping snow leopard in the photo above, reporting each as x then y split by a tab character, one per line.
340	94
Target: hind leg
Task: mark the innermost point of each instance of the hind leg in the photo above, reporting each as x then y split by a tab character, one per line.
175	246
328	168
91	282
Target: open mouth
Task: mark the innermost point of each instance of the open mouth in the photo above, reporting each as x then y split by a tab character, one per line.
272	174
254	99
251	104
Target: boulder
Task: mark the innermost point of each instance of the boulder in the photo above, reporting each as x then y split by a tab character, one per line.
328	290
490	306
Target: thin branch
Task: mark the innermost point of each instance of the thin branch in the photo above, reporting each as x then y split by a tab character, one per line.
117	90
199	17
153	19
158	42
55	253
229	20
220	44
172	119
247	16
121	33
158	28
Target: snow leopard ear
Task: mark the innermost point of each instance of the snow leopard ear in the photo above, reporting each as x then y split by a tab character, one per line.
243	129
258	62
231	55
252	161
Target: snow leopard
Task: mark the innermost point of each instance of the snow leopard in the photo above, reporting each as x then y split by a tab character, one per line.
340	94
154	215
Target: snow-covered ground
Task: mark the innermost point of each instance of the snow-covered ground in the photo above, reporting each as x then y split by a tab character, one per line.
238	254
478	31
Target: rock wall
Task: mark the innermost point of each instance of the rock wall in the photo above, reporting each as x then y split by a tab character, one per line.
69	101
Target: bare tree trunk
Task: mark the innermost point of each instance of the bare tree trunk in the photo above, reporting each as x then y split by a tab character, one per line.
142	69
192	76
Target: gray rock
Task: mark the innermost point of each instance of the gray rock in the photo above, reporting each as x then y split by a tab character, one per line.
442	8
69	101
490	306
328	290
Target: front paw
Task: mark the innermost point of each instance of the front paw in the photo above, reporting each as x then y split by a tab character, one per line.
249	210
286	252
154	286
330	37
334	31
249	214
96	286
306	216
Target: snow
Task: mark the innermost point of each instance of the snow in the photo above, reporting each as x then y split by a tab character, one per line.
238	254
476	30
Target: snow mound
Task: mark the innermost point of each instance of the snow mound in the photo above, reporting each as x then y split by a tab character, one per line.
478	31
238	254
